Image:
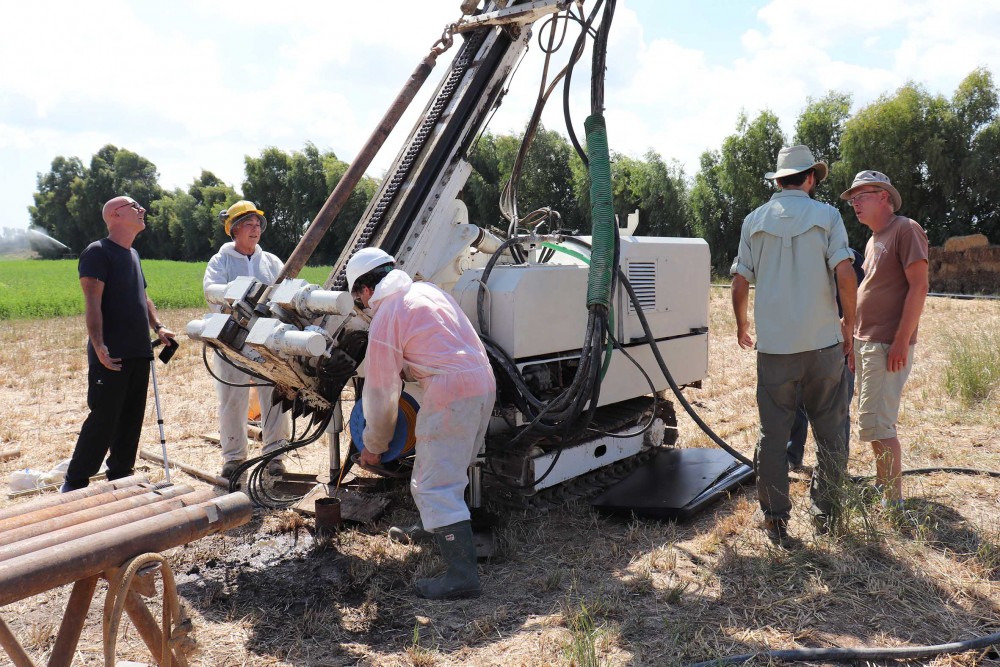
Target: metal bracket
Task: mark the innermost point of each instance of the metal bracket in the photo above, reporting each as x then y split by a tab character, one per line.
523	14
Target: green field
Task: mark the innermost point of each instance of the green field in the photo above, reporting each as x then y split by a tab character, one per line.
35	288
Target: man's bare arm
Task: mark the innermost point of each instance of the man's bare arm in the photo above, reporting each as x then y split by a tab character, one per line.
913	306
154	322
741	302
93	290
847	289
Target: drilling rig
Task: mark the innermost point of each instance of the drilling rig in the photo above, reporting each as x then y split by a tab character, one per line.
586	333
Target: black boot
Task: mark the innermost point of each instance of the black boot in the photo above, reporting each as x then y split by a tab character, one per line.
414	534
461	580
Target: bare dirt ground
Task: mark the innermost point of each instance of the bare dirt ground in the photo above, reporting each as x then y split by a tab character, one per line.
569	586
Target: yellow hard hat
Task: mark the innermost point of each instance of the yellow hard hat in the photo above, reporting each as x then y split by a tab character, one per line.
234	215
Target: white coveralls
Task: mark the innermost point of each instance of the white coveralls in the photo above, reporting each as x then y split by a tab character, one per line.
420	330
227	265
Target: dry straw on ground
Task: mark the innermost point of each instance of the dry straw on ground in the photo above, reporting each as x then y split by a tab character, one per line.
568	586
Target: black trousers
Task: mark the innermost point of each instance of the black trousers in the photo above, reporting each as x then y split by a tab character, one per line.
117	402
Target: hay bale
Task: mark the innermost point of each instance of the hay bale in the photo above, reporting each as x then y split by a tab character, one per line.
960	243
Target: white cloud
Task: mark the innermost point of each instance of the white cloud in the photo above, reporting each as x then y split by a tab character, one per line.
795	51
194	85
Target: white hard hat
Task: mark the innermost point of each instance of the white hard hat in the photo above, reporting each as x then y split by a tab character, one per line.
364	261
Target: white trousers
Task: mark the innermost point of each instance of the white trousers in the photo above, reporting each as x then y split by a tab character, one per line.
449	434
233	405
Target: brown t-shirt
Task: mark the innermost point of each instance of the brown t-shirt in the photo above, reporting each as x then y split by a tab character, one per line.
882	292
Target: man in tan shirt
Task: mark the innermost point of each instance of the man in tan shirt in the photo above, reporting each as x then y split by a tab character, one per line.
890	301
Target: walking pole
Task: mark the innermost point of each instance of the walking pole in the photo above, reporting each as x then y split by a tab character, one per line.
165	357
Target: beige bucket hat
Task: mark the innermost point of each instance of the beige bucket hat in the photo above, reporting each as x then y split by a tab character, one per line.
796	159
877	179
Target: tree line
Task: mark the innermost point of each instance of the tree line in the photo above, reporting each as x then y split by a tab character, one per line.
937	151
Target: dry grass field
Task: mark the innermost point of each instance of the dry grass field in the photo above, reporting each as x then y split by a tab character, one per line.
568	587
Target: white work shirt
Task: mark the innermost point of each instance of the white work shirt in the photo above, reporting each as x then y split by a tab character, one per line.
789	248
229	264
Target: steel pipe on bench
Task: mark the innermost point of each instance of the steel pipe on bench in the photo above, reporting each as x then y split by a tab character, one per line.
156	505
77	559
118	502
64	503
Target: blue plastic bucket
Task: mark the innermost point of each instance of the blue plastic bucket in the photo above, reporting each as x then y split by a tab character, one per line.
404	438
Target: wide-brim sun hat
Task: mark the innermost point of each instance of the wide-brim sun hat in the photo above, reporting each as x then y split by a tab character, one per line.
878	180
796	159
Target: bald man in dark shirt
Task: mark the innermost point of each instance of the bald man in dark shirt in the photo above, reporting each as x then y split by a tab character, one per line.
119	315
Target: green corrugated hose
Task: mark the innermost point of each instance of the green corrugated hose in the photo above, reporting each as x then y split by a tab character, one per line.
602	213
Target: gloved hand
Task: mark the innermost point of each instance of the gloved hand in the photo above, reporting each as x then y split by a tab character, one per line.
339	367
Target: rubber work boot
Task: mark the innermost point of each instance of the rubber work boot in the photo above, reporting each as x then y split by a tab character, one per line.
461	579
414	534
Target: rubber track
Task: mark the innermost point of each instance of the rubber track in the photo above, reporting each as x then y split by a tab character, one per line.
579	489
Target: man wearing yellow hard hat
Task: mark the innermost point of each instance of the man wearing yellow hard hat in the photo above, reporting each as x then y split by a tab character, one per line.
242	256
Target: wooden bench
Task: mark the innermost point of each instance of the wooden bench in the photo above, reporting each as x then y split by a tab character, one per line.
113	530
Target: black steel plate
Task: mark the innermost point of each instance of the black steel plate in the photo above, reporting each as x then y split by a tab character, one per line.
674	484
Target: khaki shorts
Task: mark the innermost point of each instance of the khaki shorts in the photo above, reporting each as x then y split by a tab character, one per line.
879	391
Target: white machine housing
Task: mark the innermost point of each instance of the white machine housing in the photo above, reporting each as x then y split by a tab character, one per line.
538	312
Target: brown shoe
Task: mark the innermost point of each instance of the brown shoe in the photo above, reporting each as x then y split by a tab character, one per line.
800	470
229	468
776	529
275	468
824	524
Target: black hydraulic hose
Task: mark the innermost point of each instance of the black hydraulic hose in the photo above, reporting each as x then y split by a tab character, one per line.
854	654
481	293
937	469
555	459
670	378
569	404
599	57
255	487
577	50
663	367
264	382
652	391
955	471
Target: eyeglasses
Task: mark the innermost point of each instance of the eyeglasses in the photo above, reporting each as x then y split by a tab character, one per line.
134	205
860	195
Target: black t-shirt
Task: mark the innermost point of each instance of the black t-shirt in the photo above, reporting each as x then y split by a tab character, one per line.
859	272
123	302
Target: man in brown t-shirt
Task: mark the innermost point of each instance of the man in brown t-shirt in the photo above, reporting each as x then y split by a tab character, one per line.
890	301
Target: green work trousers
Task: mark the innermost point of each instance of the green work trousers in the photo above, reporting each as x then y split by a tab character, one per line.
821	376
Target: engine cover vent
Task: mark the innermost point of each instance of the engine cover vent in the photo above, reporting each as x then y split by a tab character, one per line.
642	276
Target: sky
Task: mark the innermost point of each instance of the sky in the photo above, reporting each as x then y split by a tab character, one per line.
199	84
